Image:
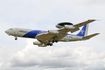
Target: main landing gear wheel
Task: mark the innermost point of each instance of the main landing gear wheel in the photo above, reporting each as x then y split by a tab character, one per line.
50	44
55	41
15	38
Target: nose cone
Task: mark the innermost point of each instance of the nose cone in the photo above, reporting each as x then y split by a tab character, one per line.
7	31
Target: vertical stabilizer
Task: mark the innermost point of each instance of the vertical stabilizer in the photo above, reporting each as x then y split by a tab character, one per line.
84	31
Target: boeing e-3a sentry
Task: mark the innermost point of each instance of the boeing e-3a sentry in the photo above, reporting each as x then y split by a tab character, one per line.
47	38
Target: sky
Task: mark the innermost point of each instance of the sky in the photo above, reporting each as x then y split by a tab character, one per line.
45	15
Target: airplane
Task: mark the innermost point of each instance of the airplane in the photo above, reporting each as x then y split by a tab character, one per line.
47	38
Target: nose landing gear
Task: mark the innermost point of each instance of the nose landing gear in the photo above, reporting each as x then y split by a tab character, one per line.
15	38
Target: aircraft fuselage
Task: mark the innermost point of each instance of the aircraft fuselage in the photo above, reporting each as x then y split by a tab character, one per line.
29	33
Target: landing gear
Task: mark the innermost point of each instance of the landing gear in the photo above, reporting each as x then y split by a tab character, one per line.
15	38
50	44
55	41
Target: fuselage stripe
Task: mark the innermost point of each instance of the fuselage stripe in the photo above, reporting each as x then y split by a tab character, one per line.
34	33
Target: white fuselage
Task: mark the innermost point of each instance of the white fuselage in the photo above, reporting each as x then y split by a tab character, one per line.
71	38
29	33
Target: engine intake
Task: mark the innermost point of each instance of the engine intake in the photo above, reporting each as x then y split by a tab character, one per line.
37	43
42	45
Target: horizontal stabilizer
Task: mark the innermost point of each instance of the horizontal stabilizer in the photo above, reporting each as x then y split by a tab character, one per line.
90	36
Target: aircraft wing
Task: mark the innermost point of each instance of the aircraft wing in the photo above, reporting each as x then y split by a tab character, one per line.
48	37
84	23
59	34
81	24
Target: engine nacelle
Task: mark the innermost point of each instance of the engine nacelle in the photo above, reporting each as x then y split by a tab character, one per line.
69	27
42	45
53	31
37	43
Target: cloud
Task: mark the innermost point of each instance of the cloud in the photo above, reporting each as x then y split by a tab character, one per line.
81	58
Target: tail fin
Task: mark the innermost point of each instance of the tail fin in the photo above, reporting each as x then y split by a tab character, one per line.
84	31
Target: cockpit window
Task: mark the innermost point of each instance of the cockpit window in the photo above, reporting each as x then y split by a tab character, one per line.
11	29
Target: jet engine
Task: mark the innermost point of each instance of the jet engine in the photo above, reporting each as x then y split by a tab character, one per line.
53	31
42	45
37	43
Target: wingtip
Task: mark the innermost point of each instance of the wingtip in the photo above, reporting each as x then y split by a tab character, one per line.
97	33
94	20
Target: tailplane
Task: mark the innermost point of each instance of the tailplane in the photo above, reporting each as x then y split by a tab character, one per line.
84	31
90	36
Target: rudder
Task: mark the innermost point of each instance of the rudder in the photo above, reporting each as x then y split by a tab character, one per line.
84	31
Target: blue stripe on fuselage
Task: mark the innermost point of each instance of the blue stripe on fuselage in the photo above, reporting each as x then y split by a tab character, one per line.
34	33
